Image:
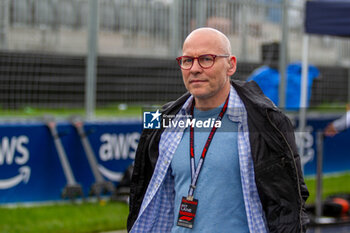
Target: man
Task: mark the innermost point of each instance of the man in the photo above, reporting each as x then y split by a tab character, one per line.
250	180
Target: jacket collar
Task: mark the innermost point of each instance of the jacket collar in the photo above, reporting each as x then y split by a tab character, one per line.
250	93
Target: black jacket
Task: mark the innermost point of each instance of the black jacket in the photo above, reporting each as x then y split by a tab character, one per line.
277	167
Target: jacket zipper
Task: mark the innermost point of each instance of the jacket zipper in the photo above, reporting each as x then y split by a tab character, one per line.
295	167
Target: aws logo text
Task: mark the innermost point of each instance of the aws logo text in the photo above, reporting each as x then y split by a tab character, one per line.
118	146
13	150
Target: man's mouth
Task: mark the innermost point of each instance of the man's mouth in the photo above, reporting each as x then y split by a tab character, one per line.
197	81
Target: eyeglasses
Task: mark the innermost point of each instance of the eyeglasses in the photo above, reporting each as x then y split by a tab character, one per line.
205	61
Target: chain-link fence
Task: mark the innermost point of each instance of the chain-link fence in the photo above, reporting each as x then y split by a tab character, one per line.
46	81
57	81
44	44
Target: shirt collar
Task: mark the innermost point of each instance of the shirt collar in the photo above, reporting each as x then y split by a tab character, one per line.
235	108
186	108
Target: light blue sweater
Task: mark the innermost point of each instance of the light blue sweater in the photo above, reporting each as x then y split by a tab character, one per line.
219	190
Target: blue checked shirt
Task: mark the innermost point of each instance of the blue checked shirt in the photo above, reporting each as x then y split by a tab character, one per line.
157	209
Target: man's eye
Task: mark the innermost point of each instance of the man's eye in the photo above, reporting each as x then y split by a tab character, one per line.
187	60
207	58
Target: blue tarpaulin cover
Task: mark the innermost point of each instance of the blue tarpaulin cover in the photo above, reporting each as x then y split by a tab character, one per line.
268	80
328	17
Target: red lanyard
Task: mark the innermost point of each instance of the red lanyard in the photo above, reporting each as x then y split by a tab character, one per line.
195	172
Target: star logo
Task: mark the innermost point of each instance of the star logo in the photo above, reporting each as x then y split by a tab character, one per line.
156	115
151	120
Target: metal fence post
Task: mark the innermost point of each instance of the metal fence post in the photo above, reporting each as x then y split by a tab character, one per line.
243	31
283	56
303	90
319	190
90	85
4	23
349	86
175	28
201	13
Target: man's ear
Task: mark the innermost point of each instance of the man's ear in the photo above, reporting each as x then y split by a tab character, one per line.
233	66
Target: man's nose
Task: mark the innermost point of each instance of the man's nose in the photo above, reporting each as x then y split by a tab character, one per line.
196	67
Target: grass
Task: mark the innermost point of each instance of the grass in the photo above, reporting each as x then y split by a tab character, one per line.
64	218
123	110
99	217
117	110
334	107
332	184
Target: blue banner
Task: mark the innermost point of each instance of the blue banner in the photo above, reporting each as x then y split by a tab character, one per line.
327	17
30	169
336	156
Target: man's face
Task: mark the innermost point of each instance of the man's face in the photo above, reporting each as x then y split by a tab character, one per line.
207	83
